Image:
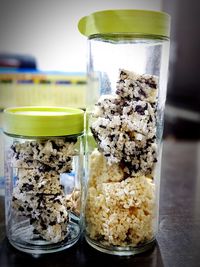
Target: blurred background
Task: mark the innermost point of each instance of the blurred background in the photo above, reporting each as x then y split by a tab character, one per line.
47	29
183	98
43	57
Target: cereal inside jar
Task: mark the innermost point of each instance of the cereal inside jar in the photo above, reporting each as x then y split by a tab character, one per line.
120	205
44	153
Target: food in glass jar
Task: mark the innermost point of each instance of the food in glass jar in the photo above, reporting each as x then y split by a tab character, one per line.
38	193
120	205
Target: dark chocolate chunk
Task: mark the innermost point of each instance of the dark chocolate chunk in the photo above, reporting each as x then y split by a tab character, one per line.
131	85
45	168
142	92
150	119
32	220
29	209
13	148
102	126
52	223
71	139
35	232
139	109
119	91
27	187
151	83
122	73
31	144
54	145
96	136
37	148
43	225
36	177
57	200
51	158
29	161
111	136
136	98
21	208
125	104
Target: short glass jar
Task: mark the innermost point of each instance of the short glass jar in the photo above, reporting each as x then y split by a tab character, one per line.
43	174
128	52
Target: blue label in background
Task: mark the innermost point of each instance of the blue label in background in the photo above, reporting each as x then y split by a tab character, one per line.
2	182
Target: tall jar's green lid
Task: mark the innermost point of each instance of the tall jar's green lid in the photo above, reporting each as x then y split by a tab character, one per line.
126	21
43	121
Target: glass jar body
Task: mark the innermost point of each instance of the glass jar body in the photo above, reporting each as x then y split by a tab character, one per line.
127	78
43	192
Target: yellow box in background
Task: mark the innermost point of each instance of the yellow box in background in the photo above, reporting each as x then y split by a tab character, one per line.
38	88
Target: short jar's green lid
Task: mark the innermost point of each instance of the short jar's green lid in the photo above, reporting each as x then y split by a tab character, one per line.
43	121
126	21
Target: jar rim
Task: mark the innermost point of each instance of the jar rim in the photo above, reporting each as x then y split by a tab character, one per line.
123	36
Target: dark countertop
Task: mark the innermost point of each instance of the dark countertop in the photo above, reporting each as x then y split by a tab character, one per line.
178	240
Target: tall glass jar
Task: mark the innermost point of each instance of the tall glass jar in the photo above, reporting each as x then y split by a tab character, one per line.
43	173
128	54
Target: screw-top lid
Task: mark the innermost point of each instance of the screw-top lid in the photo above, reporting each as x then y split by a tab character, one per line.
43	121
126	21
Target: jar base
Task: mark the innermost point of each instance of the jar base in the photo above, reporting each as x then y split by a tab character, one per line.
38	251
40	246
121	251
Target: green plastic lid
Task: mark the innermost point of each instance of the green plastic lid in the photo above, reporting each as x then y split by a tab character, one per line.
126	21
43	121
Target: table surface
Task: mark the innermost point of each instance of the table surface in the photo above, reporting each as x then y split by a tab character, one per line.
178	239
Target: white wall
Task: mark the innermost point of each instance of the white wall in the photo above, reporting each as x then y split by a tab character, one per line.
47	29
